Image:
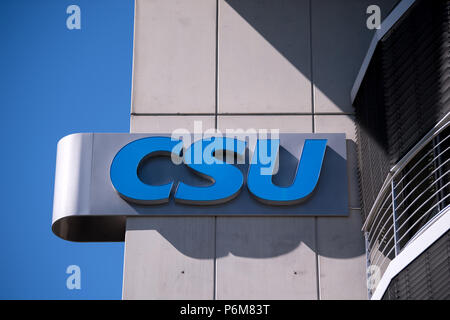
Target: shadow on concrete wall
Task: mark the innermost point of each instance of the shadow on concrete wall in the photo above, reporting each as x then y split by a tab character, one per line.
338	38
254	237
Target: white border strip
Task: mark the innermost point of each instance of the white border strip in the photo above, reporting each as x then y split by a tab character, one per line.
413	250
387	24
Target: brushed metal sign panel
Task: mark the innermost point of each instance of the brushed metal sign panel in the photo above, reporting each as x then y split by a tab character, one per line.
88	208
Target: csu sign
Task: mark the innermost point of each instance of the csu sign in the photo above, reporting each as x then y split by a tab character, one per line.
226	179
102	178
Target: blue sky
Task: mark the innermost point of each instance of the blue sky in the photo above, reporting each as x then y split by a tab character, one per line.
53	82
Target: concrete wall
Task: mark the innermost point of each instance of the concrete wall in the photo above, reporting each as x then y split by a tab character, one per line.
287	64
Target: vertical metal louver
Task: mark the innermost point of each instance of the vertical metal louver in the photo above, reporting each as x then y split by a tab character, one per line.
404	93
371	130
427	277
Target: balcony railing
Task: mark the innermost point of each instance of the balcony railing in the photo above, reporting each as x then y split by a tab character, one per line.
415	192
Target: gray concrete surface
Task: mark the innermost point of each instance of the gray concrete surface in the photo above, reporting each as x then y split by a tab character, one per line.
155	269
340	40
341	257
166	124
174	61
247	54
266	258
285	123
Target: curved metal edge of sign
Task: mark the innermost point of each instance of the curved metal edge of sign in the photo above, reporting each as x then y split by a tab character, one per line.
75	215
91	228
72	219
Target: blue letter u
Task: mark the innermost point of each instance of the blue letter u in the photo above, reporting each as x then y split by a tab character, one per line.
307	176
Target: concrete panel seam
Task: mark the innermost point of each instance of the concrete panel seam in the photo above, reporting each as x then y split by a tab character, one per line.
316	240
311	64
247	114
215	261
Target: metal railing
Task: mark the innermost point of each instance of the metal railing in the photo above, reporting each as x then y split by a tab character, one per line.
415	192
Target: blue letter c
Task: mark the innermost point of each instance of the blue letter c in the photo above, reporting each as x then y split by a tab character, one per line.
124	168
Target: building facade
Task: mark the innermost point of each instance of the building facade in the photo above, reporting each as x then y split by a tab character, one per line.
402	107
248	64
300	66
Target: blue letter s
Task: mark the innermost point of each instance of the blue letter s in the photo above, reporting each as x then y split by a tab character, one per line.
227	179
